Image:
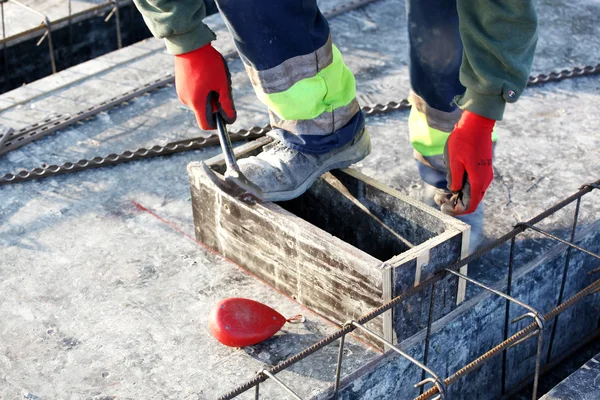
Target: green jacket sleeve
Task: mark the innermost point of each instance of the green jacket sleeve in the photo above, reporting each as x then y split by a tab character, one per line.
499	39
178	22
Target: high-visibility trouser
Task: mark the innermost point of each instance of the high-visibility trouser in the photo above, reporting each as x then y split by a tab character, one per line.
435	57
296	71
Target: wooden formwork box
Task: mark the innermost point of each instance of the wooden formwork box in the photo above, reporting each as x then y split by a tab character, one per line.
345	247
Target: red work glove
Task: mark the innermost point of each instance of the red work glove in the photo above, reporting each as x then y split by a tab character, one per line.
468	155
203	83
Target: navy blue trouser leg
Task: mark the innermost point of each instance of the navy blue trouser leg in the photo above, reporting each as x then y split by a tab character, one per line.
268	33
435	51
296	71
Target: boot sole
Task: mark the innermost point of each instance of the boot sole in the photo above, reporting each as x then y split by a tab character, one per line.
333	164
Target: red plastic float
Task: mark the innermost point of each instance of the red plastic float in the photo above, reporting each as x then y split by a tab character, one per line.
238	322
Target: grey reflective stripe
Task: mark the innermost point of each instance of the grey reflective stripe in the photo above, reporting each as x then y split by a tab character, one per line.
436	119
326	123
283	76
436	162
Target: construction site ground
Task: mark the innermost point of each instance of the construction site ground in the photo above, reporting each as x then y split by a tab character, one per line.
104	293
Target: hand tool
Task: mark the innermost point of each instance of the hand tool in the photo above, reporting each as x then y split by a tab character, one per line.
233	182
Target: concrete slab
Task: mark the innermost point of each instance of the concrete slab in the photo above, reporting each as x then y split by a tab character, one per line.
583	384
95	285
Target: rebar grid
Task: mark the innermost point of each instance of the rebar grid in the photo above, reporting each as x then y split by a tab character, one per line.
439	387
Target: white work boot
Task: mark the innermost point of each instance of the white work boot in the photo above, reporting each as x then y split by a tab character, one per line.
435	197
284	174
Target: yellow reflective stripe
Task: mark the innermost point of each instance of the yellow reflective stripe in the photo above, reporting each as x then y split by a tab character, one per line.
426	140
331	88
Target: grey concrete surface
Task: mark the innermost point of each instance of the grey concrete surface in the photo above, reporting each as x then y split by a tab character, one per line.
100	298
583	384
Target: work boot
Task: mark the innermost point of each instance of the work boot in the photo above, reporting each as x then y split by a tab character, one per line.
436	197
284	174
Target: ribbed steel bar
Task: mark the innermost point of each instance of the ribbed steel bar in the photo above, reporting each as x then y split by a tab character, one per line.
338	369
421	287
533	313
115	12
5	57
64	21
66	120
70	25
52	125
563	282
47	34
588	70
428	332
511	260
563	241
126	156
283	385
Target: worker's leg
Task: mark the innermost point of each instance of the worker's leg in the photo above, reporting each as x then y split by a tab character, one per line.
435	59
301	77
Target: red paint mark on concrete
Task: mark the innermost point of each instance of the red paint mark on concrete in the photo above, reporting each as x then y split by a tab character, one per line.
161	219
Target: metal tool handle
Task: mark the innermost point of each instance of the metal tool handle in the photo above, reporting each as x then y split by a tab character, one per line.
226	146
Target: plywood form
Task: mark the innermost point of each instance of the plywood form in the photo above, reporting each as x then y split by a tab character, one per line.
340	249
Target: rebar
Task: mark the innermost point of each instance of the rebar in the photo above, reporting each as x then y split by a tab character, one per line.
563	281
435	379
5	67
47	34
115	11
338	369
428	331
70	21
512	340
533	313
280	383
511	259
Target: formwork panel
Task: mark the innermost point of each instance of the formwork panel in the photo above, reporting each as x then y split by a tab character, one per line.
343	248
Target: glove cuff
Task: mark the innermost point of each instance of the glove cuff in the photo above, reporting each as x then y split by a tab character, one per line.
475	123
190	41
489	106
